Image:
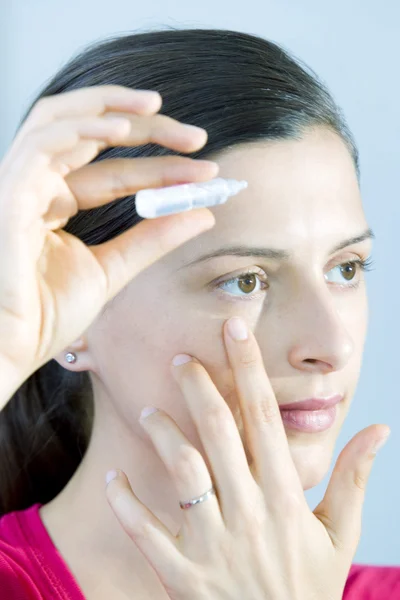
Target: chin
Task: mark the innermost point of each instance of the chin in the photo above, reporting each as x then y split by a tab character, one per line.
312	464
310	480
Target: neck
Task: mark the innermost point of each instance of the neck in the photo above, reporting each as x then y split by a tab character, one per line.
80	516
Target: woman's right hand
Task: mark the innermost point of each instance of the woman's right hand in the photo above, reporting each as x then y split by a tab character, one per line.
52	286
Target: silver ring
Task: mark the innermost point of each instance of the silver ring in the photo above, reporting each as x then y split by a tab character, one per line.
197	500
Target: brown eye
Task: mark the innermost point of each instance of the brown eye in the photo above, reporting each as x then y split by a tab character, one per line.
245	285
349	271
345	272
248	283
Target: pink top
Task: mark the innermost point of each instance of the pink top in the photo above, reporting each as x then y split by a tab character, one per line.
31	567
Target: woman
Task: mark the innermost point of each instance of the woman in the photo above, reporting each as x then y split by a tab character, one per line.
265	294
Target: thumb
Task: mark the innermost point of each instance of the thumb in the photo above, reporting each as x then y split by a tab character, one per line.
341	508
124	256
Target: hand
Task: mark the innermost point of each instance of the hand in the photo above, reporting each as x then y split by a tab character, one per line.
43	183
257	539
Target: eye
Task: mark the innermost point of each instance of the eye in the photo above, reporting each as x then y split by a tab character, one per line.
249	283
347	274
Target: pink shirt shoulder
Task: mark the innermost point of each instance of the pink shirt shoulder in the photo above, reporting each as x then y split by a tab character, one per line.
369	582
31	567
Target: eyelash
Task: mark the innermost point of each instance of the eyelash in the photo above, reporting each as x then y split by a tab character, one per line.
362	264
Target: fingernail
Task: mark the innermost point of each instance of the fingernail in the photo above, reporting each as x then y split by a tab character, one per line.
237	329
380	443
208	163
181	359
113	474
148	410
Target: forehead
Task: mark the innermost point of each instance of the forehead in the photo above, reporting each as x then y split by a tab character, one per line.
298	189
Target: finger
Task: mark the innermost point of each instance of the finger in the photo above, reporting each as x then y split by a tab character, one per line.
83	153
341	508
64	135
264	429
137	130
95	101
27	169
103	181
162	130
124	256
150	535
190	476
107	180
225	455
35	155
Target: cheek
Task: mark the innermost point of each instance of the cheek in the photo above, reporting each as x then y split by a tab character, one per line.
203	339
355	319
157	338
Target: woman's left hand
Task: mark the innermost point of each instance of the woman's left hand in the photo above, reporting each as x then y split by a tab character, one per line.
257	539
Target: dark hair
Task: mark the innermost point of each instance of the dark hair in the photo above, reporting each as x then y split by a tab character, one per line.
241	89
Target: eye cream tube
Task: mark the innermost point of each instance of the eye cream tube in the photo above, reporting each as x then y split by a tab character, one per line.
158	202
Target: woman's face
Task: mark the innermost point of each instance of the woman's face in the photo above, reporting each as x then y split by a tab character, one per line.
308	313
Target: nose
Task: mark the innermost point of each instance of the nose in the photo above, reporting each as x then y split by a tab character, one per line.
321	342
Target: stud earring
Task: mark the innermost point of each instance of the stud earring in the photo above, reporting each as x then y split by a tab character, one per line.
71	357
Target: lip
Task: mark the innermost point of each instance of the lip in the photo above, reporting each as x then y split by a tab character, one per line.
313	403
311	415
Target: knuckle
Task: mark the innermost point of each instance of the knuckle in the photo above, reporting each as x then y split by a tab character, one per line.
264	411
187	465
339	544
183	576
141	531
191	371
159	125
287	505
291	504
41	107
172	168
33	140
117	182
39	139
251	527
250	511
248	359
360	480
162	120
255	531
216	420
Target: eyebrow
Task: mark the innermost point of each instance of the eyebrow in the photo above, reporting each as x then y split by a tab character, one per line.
273	253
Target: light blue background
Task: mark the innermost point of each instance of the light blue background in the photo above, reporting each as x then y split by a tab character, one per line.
354	45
